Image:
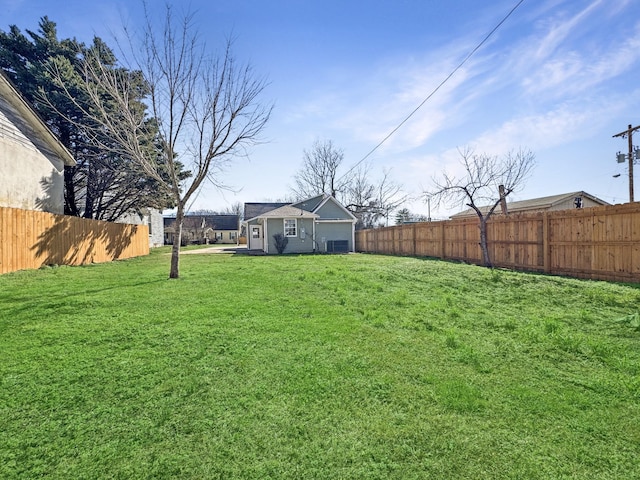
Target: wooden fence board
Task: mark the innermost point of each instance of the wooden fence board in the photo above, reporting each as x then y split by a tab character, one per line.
598	243
31	239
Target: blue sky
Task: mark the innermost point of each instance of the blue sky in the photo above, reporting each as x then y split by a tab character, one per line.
560	77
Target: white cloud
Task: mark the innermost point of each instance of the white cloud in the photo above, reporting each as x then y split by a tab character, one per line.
544	66
560	28
541	131
572	72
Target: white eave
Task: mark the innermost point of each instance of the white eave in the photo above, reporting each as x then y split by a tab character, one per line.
14	97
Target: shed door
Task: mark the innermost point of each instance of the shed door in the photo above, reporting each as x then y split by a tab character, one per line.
255	237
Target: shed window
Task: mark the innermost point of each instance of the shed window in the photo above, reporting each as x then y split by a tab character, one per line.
290	227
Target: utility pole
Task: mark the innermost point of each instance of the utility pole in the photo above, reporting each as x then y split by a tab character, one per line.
629	134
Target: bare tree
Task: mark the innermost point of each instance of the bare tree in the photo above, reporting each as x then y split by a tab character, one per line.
233	209
370	201
389	195
319	171
487	181
236	208
205	109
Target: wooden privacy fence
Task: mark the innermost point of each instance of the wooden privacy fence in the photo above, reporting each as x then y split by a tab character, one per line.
30	239
599	243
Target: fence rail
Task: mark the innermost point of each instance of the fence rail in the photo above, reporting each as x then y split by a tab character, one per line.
31	239
598	243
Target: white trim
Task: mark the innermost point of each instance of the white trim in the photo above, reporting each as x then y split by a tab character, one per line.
313	236
250	240
295	226
353	239
265	239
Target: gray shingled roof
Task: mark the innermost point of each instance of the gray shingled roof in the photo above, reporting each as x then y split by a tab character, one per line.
225	222
253	210
531	204
289	211
312	203
217	222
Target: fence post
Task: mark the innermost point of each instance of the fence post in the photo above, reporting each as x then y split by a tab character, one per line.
545	241
393	239
442	250
414	240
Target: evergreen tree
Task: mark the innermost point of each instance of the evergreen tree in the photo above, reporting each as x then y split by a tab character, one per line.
103	185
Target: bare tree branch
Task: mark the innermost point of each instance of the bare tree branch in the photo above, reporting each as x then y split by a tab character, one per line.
479	186
372	200
207	110
319	171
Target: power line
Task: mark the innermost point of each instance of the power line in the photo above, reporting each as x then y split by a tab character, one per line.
477	47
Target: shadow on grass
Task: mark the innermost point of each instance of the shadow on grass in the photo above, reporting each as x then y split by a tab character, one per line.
29	303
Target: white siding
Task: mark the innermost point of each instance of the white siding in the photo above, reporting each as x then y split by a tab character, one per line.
32	176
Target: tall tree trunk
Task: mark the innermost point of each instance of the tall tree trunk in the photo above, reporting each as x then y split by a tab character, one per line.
89	204
70	206
483	242
174	272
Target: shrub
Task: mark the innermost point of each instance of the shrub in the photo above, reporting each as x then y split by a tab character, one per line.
281	242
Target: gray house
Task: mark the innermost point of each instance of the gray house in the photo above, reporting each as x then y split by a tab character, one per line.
32	159
319	224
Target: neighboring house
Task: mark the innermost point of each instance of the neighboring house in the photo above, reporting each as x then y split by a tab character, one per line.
563	201
204	229
32	159
152	217
318	224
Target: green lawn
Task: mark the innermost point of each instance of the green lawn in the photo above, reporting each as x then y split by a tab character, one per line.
303	367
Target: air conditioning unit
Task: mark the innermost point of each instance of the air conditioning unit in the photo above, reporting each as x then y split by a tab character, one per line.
338	246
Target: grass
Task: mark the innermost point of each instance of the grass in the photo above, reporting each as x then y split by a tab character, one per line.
288	367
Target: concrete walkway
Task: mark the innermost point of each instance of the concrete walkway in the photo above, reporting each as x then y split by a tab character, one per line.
216	249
